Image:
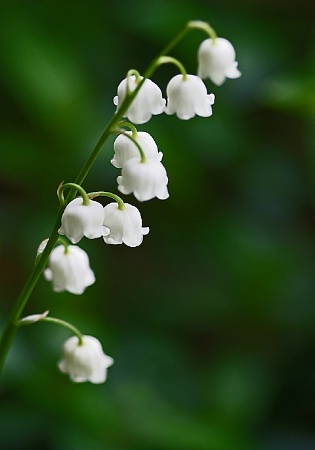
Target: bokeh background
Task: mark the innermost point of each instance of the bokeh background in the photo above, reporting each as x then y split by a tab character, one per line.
211	322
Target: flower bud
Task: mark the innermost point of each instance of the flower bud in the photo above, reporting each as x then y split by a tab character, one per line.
33	318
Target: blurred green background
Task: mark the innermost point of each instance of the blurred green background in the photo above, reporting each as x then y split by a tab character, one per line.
211	320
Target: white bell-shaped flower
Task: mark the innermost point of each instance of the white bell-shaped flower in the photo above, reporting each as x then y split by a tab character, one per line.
80	220
86	361
145	180
187	97
148	101
216	58
125	225
69	269
126	149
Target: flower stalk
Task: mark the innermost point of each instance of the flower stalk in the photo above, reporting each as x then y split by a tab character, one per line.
121	204
65	324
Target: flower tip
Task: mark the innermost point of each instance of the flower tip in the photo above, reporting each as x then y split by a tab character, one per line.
108	360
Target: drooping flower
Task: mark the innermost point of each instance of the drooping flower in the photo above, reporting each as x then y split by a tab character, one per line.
148	101
86	361
80	220
187	97
125	225
69	269
216	58
145	180
125	149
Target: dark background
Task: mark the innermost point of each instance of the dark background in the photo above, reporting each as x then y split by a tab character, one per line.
211	320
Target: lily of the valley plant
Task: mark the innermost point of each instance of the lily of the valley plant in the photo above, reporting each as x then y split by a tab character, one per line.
81	215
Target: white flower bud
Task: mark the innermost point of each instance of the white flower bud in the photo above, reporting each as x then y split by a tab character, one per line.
33	318
216	59
41	247
187	97
125	149
69	270
145	180
148	101
80	220
125	225
85	362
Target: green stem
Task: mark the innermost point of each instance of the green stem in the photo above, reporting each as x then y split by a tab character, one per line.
171	60
133	139
66	325
115	197
11	327
204	26
63	241
75	186
135	73
131	126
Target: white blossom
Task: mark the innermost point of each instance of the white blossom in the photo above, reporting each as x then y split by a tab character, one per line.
85	362
125	225
69	269
216	59
80	220
126	149
147	102
145	180
187	97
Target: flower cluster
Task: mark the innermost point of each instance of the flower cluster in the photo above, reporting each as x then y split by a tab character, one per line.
186	94
186	97
143	174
